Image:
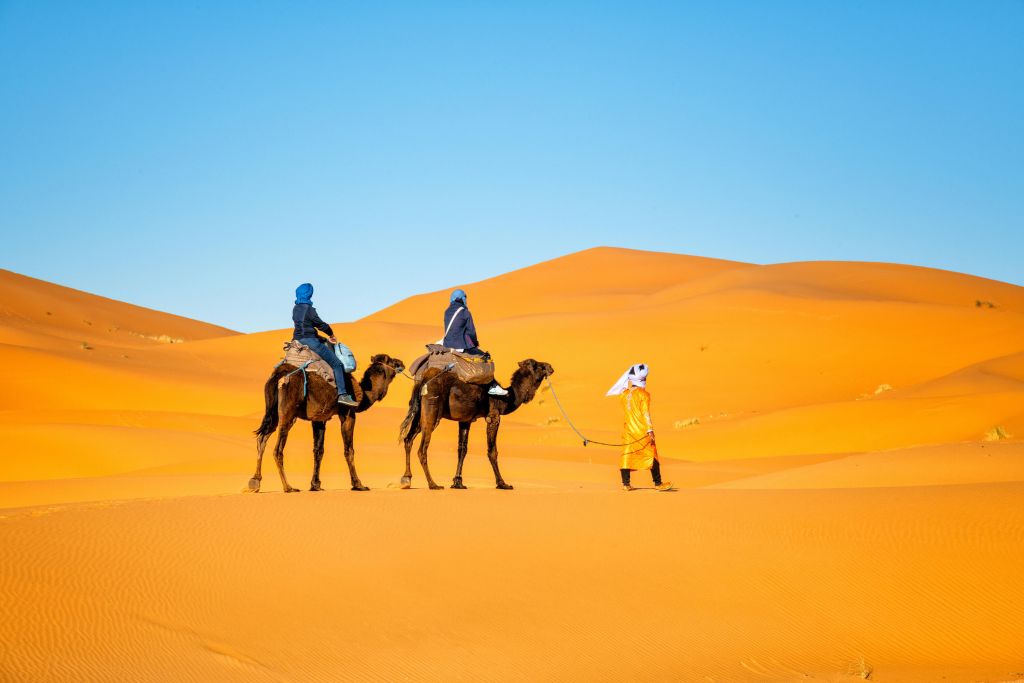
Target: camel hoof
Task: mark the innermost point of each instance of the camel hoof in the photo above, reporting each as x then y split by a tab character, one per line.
436	487
406	483
504	487
253	487
360	487
457	485
315	487
291	489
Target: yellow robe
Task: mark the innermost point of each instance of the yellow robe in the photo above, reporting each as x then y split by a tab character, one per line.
636	404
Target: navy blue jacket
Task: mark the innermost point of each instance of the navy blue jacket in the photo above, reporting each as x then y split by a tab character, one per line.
307	322
462	334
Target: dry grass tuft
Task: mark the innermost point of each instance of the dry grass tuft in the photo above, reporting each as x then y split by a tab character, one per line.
997	433
860	668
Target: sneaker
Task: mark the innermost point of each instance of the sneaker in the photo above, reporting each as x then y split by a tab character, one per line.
346	400
496	390
627	487
665	486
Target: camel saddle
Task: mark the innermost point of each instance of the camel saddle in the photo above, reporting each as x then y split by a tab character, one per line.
468	368
301	355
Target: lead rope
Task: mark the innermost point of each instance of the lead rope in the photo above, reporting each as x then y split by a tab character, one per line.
645	438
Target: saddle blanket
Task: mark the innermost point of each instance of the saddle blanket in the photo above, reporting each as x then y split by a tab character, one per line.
468	368
299	354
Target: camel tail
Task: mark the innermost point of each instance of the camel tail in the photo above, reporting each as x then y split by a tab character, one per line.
412	419
269	424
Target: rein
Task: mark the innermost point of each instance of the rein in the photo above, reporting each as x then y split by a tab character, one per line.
645	438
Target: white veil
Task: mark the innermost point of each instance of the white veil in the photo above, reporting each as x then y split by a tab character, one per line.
636	376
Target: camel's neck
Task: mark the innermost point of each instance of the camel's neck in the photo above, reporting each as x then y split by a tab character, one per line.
375	383
522	389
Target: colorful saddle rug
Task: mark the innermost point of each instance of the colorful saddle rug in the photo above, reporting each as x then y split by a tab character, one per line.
301	356
468	368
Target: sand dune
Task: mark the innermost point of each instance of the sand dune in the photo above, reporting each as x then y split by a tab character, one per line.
845	436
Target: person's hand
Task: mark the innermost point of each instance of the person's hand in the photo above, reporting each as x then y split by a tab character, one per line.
333	340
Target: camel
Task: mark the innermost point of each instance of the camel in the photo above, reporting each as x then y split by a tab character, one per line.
439	394
286	403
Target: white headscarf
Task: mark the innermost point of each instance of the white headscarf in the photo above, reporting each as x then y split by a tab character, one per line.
636	376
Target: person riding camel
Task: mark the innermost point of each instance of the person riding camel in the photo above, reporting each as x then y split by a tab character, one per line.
639	451
460	333
307	322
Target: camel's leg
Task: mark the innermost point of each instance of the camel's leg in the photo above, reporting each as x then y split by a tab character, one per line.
428	421
424	445
493	422
348	435
463	447
282	438
407	477
319	430
254	483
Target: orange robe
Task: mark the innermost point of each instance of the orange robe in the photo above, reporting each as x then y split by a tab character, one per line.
637	454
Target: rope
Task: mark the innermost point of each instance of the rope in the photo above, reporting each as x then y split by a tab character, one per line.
645	438
305	380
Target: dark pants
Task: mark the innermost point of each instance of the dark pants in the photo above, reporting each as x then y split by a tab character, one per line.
326	353
655	474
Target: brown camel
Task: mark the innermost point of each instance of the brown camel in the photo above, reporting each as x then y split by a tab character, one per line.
287	402
440	395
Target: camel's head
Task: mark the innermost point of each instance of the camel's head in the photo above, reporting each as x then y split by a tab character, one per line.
536	369
384	359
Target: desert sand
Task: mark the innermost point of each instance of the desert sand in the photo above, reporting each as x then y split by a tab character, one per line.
845	439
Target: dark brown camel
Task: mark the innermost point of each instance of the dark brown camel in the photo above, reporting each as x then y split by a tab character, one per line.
440	395
286	403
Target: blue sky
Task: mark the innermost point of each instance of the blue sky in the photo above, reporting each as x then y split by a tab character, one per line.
204	158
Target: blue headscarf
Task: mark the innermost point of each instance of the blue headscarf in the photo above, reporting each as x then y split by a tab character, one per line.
304	293
458	295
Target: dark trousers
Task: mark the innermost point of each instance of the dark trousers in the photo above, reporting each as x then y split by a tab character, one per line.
331	358
655	474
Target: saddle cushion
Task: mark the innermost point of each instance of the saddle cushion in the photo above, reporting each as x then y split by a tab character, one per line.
467	368
299	354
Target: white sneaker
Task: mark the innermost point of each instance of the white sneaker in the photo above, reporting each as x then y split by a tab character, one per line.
496	390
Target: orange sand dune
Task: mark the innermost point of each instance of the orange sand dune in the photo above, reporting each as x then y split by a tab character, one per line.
39	309
845	436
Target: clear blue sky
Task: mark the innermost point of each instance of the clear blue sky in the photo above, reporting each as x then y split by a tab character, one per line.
204	158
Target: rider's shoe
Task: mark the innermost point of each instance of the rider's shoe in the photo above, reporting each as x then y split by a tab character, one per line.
496	390
346	400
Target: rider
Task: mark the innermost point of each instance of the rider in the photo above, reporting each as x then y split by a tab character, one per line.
307	322
460	334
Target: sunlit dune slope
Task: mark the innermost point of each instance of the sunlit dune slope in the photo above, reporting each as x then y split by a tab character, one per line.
758	360
601	279
31	311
